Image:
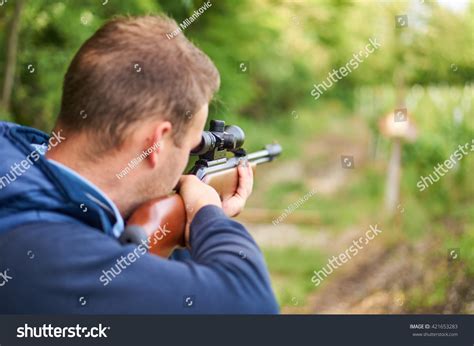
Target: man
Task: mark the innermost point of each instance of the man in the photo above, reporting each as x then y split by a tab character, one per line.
130	92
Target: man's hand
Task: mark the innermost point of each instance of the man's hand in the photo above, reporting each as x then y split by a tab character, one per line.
233	205
195	195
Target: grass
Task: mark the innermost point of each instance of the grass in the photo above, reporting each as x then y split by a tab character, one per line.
291	270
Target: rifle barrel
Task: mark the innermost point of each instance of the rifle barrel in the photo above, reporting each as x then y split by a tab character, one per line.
268	154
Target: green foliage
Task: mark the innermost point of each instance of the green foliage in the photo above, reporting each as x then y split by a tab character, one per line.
289	46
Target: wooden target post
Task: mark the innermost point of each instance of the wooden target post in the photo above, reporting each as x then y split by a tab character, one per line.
398	127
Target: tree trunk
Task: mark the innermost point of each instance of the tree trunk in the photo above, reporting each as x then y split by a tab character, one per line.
10	64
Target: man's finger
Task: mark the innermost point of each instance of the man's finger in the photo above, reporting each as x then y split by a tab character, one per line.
245	180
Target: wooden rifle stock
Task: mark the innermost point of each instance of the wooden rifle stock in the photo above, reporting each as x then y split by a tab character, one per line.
164	219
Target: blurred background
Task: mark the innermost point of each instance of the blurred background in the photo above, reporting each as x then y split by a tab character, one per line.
347	145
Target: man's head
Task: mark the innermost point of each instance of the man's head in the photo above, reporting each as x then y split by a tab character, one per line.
128	89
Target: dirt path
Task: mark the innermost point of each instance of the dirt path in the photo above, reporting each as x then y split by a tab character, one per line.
321	170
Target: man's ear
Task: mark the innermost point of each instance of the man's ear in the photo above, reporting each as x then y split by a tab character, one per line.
154	145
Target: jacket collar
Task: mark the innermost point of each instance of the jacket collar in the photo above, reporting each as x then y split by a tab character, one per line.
82	199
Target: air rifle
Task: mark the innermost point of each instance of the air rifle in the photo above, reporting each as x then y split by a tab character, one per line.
213	167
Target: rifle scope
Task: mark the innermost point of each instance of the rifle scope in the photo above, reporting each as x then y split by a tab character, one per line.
219	138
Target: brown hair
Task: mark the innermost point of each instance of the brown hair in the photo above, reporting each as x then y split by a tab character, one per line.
130	70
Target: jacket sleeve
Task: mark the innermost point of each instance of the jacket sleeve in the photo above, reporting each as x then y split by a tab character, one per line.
225	274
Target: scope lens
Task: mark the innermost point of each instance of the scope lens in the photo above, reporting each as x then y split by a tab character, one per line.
207	142
238	134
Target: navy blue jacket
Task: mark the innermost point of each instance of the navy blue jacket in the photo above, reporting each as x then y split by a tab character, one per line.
59	251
